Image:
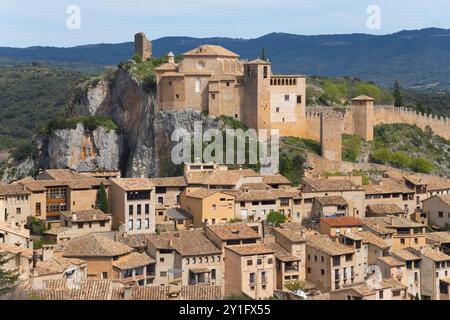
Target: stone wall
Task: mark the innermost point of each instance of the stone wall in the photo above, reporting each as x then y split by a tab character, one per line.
391	114
331	129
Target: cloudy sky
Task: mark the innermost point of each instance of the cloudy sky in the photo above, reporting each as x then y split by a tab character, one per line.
44	22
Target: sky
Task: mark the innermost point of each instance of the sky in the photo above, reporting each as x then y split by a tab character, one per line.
63	23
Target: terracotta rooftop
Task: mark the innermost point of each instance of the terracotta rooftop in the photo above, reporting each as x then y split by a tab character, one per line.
192	293
219	177
328	245
204	193
434	254
385	209
56	265
432	182
169	182
211	50
86	215
342	222
369	237
63	174
386	185
256	195
324	184
185	242
133	260
391	261
405	255
233	231
135	240
291	235
87	290
13	249
331	201
439	237
250	249
282	254
12	190
276	179
93	245
390	222
134	184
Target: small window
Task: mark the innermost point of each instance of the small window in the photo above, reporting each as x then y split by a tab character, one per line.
299	99
286	97
260	262
213	96
177	96
441	214
249	262
278	110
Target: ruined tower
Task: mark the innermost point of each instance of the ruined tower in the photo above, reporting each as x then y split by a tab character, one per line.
331	130
362	109
142	46
255	113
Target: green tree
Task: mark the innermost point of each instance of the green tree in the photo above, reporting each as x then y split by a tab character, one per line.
398	99
295	285
276	218
102	200
421	165
8	278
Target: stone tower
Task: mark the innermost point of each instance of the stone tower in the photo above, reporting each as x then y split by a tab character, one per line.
331	130
142	46
362	109
255	112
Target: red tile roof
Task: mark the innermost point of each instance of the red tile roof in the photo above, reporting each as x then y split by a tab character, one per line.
342	222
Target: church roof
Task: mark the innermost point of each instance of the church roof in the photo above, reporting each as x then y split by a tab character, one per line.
211	50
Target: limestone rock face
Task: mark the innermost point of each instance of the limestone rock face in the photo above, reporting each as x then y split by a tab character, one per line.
82	150
141	148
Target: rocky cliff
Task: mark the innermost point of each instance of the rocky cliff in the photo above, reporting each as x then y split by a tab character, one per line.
141	146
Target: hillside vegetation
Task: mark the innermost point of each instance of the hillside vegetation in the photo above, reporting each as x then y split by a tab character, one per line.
30	94
402	146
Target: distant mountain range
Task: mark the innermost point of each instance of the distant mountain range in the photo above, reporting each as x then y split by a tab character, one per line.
417	58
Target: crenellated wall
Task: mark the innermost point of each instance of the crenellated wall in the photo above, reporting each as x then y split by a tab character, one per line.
391	114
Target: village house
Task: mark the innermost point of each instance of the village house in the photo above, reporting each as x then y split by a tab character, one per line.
385	289
14	204
325	187
334	227
19	259
185	257
231	235
389	191
209	207
398	232
411	277
330	265
63	195
16	235
329	206
57	268
374	247
108	259
132	205
439	240
287	268
434	267
78	223
293	241
437	209
167	196
250	270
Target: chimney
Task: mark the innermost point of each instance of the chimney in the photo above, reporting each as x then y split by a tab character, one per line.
127	293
